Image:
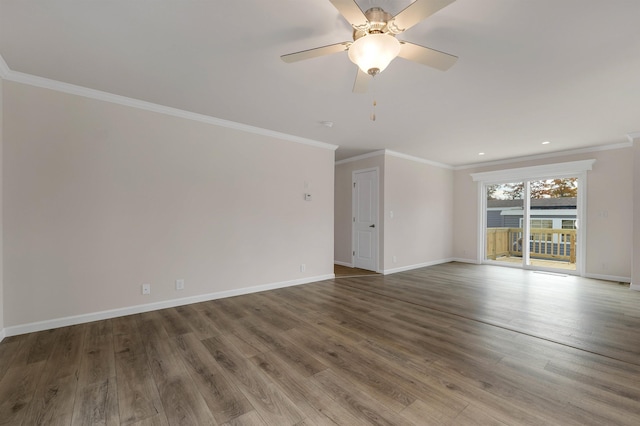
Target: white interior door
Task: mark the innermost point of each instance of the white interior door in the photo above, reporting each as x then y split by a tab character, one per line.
365	219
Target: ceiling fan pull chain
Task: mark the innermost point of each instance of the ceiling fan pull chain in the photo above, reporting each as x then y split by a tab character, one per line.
373	96
373	113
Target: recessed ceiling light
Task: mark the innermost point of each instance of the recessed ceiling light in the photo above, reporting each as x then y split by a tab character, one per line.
546	143
326	123
481	153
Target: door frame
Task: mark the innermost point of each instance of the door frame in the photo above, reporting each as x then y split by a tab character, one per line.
376	232
577	169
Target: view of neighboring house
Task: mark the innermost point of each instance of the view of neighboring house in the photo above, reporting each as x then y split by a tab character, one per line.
552	213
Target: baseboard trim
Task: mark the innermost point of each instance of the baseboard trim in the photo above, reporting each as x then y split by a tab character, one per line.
416	266
138	309
348	265
2	334
635	287
462	260
608	278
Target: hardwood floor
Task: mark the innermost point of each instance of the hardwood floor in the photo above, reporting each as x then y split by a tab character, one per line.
451	344
347	272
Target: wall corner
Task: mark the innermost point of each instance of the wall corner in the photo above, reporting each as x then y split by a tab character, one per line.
2	331
635	264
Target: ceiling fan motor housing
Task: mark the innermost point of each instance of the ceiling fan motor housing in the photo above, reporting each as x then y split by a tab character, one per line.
377	20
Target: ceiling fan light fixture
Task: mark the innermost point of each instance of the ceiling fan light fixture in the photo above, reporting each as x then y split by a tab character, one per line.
373	52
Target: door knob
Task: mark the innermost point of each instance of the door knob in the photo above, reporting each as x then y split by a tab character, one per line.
372	226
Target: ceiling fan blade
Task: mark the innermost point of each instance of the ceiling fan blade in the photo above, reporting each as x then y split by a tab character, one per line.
425	56
314	53
414	13
361	84
351	12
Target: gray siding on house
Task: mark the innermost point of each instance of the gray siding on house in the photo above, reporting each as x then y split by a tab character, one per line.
494	219
551	216
511	221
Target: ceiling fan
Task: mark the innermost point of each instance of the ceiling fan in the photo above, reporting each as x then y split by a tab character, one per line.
375	44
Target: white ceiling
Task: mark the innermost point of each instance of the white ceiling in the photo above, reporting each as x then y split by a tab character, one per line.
564	71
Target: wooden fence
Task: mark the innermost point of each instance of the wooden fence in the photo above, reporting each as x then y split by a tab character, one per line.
555	244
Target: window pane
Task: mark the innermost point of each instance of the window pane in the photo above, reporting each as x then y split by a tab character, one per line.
505	206
553	202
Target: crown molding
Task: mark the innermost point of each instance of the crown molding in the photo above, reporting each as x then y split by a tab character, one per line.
4	68
72	89
633	136
535	172
630	136
394	154
418	159
548	155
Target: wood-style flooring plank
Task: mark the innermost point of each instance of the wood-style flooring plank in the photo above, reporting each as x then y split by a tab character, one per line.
40	349
433	411
225	401
182	402
351	363
17	389
199	323
359	403
267	399
251	418
97	404
158	419
316	406
473	416
173	322
54	396
302	361
138	397
98	359
8	351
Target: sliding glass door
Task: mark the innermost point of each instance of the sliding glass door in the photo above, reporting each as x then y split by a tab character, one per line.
532	223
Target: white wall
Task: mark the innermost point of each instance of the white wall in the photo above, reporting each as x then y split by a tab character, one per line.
421	198
609	210
343	207
100	198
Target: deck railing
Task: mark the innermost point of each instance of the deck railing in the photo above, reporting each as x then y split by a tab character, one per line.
544	243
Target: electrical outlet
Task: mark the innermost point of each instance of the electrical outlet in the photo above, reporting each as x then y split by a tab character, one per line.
303	267
395	259
180	284
146	288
